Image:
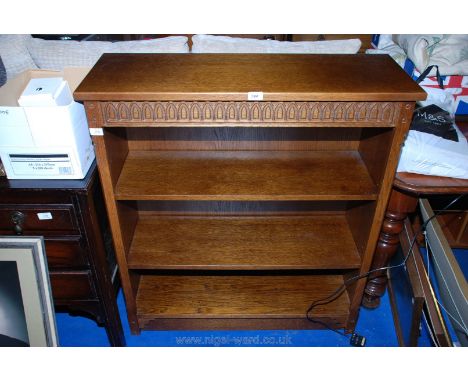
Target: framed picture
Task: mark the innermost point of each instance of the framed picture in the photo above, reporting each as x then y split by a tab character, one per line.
27	316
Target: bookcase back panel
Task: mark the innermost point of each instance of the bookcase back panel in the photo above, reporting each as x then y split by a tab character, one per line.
243	138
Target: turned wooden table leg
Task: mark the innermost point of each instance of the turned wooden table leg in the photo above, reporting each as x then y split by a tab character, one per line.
399	206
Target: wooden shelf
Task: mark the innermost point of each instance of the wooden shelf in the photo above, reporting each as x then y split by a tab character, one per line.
245	175
269	242
237	302
282	77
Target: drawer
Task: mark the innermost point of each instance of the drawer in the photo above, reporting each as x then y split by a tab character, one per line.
72	286
65	252
37	220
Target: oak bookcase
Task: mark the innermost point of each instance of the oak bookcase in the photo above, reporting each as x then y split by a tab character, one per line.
241	188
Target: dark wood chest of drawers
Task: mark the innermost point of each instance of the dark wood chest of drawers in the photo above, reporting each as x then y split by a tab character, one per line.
71	216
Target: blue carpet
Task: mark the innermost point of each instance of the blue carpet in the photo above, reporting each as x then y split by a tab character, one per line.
461	255
376	325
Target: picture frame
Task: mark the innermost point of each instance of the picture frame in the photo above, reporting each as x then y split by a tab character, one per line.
27	316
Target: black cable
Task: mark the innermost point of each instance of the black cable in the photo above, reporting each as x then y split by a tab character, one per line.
339	291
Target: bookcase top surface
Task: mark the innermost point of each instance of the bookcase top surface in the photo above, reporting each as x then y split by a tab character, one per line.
243	77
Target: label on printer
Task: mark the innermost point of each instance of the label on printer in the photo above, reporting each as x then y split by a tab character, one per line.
41	164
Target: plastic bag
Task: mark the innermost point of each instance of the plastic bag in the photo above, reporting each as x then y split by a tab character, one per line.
427	150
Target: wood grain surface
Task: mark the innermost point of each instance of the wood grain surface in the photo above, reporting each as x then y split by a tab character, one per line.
421	184
287	242
244	175
180	296
282	77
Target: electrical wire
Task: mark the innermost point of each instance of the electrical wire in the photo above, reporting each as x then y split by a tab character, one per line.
463	327
339	291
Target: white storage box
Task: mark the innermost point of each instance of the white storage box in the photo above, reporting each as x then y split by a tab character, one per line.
52	91
44	142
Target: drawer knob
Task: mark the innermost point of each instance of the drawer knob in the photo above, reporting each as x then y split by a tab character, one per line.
17	218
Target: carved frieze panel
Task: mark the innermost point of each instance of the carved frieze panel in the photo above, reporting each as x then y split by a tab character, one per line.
251	113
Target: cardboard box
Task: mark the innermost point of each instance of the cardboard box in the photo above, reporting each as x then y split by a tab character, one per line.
44	142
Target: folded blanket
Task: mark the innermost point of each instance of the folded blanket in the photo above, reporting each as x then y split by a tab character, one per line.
393	50
226	44
448	52
15	55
